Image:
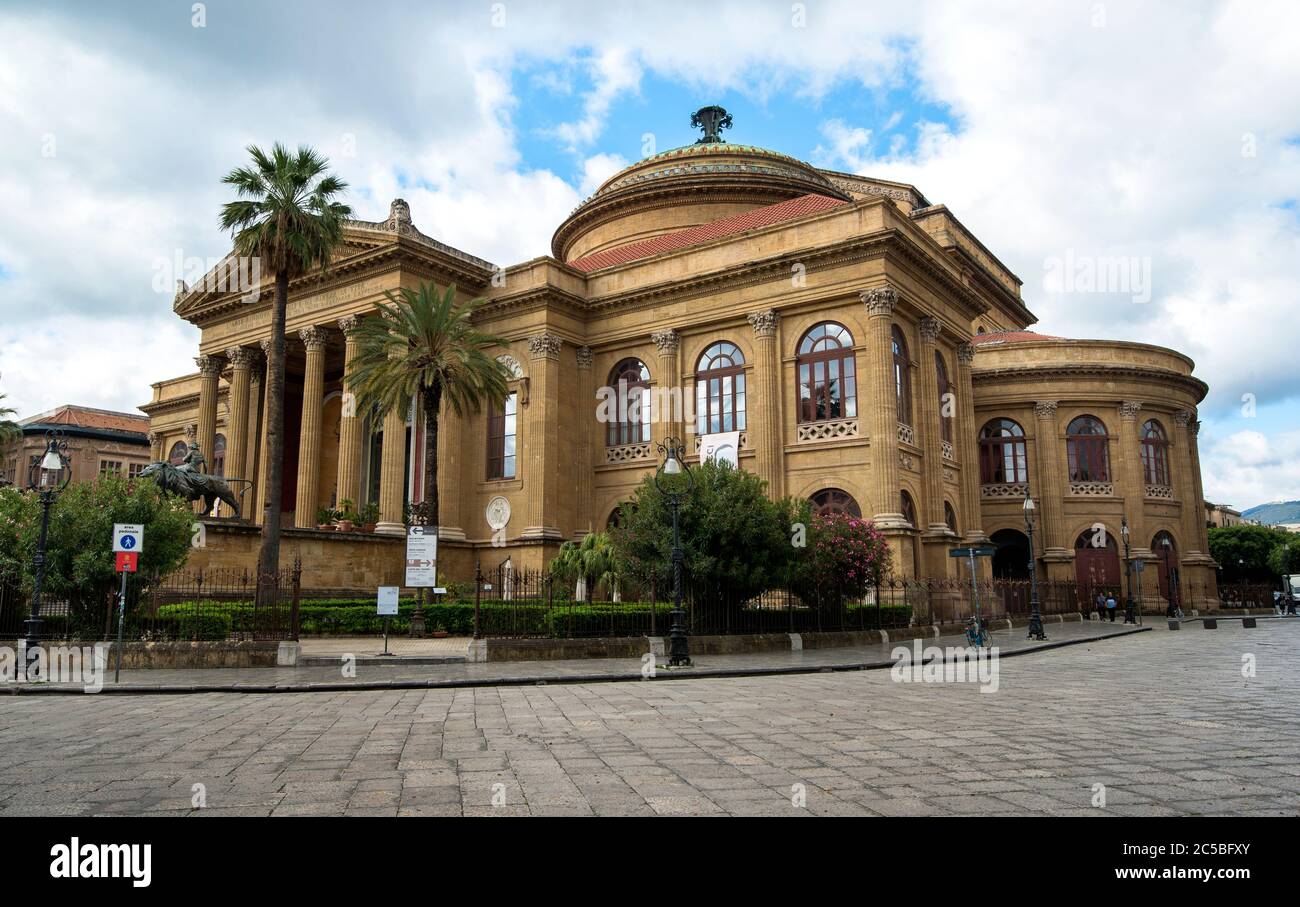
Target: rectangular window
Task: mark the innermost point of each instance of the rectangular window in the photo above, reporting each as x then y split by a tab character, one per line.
134	469
110	467
501	454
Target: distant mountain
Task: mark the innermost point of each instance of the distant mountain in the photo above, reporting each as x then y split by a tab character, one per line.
1274	512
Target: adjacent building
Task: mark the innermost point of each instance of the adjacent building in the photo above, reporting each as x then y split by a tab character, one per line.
854	341
99	442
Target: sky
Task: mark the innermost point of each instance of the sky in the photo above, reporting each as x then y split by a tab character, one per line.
1160	137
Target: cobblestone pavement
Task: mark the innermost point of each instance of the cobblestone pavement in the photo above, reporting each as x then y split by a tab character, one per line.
489	672
1167	722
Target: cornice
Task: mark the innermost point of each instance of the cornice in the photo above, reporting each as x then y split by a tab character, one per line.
1195	386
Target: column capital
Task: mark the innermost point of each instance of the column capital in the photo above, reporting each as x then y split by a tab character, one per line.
764	323
209	366
348	324
667	342
153	437
242	356
314	338
544	346
879	300
930	328
191	433
585	356
1129	409
1045	409
265	344
965	353
1184	417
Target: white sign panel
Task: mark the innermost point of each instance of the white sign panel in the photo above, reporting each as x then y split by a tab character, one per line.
387	601
421	556
128	537
723	447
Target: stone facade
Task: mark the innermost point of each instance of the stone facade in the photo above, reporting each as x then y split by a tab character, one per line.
709	248
98	442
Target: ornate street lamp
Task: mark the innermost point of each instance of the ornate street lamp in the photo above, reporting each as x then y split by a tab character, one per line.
673	479
1129	616
1171	577
48	476
1035	617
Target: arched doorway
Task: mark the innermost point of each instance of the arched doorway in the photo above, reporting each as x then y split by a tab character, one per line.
1012	558
1011	569
1097	568
1165	550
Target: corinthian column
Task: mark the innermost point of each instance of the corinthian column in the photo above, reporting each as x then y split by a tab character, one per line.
253	432
349	466
241	360
209	375
587	425
313	394
542	438
885	487
665	417
930	420
263	448
763	420
1187	484
1050	481
1133	479
392	474
155	447
968	446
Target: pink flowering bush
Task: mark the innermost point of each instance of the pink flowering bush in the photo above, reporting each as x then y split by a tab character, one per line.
845	552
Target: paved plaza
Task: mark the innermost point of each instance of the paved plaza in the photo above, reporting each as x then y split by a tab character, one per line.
1157	723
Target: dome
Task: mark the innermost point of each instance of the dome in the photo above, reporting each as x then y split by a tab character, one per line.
681	188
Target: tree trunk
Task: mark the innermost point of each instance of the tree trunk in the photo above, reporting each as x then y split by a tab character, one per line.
432	401
268	558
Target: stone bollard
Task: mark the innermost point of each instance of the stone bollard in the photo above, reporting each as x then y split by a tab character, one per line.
1248	621
1210	623
1175	624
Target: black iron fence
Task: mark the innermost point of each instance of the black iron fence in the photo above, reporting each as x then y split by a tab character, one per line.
186	605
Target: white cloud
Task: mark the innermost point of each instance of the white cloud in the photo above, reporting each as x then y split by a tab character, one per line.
1249	467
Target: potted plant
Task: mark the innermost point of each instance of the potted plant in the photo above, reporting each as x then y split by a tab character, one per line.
347	516
325	517
439	631
369	516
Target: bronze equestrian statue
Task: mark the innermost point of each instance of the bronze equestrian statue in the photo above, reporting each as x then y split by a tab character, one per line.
188	481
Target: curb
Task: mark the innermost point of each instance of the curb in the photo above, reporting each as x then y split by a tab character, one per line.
524	680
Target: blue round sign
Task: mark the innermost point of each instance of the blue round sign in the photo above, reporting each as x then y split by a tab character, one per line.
128	542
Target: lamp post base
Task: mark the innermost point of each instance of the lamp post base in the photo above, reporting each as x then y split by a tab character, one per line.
679	653
1036	626
33	634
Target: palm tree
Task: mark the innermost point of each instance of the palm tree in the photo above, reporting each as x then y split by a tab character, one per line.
287	217
424	346
593	560
10	431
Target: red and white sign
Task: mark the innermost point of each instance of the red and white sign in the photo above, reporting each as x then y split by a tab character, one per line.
127	561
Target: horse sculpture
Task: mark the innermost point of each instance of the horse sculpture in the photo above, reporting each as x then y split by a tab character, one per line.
186	481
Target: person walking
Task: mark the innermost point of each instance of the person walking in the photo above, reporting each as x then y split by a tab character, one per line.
1111	606
1101	606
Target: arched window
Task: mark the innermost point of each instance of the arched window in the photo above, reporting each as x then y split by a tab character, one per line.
1002	453
1155	453
827	374
177	456
902	376
833	500
947	405
630	380
218	467
1087	448
950	516
907	507
720	389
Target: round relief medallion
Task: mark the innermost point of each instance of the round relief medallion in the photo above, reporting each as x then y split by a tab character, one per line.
497	513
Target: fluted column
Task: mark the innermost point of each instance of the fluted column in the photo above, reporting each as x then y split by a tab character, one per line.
1194	452
542	438
392	474
763	409
929	422
252	434
349	466
1049	484
883	413
155	447
665	419
313	395
1187	481
451	482
1134	478
237	431
263	448
209	376
968	446
587	427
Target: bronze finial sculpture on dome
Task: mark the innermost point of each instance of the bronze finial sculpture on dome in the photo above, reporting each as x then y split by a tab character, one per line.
712	120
